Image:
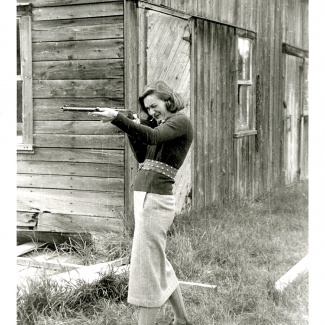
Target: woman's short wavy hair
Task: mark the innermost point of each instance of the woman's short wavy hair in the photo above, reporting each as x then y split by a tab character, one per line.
174	101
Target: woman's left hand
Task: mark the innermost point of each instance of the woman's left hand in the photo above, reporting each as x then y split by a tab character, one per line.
106	114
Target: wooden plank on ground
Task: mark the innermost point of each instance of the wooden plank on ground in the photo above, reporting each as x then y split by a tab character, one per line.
28	247
292	274
30	262
57	238
78	223
92	272
200	286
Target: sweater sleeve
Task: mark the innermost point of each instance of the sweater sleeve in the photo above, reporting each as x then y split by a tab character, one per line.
139	149
171	129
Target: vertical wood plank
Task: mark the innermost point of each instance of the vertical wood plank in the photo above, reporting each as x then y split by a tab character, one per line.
206	113
142	51
232	108
27	93
194	109
199	117
213	132
219	110
130	97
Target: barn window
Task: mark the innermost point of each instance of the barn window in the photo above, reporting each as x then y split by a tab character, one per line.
24	79
244	124
243	120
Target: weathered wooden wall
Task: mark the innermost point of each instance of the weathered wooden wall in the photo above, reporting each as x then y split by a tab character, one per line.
77	169
295	23
241	13
215	95
168	58
226	167
81	169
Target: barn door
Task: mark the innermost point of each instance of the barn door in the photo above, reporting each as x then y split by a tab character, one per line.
165	55
293	98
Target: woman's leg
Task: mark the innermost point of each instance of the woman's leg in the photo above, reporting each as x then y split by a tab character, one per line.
176	300
147	316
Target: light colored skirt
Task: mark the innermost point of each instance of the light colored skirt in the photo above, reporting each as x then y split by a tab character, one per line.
152	278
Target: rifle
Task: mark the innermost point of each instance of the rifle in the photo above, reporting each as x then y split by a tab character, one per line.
125	112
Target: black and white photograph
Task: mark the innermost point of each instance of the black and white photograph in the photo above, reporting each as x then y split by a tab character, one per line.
161	163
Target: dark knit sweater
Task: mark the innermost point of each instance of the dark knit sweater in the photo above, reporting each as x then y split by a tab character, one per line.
168	142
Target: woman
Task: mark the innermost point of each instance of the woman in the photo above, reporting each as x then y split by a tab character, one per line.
160	145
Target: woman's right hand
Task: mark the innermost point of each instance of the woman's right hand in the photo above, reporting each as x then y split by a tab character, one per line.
106	114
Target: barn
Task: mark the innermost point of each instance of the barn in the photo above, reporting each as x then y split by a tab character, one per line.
241	66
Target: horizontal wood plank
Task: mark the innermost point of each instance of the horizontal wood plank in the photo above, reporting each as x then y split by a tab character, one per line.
77	29
72	202
98	184
71	222
78	50
85	69
49	109
245	33
27	247
76	127
90	273
26	219
51	3
295	51
30	262
241	134
79	141
70	168
112	88
57	238
113	157
78	11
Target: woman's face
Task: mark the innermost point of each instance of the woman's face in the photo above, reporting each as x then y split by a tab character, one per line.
156	107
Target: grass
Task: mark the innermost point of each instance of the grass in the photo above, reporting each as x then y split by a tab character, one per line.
242	249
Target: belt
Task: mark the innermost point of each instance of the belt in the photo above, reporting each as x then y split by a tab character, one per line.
159	167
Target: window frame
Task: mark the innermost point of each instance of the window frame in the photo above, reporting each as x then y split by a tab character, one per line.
251	130
25	142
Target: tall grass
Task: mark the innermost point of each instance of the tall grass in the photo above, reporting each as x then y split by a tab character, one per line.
242	249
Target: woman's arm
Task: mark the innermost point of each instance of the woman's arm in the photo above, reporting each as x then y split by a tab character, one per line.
171	129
